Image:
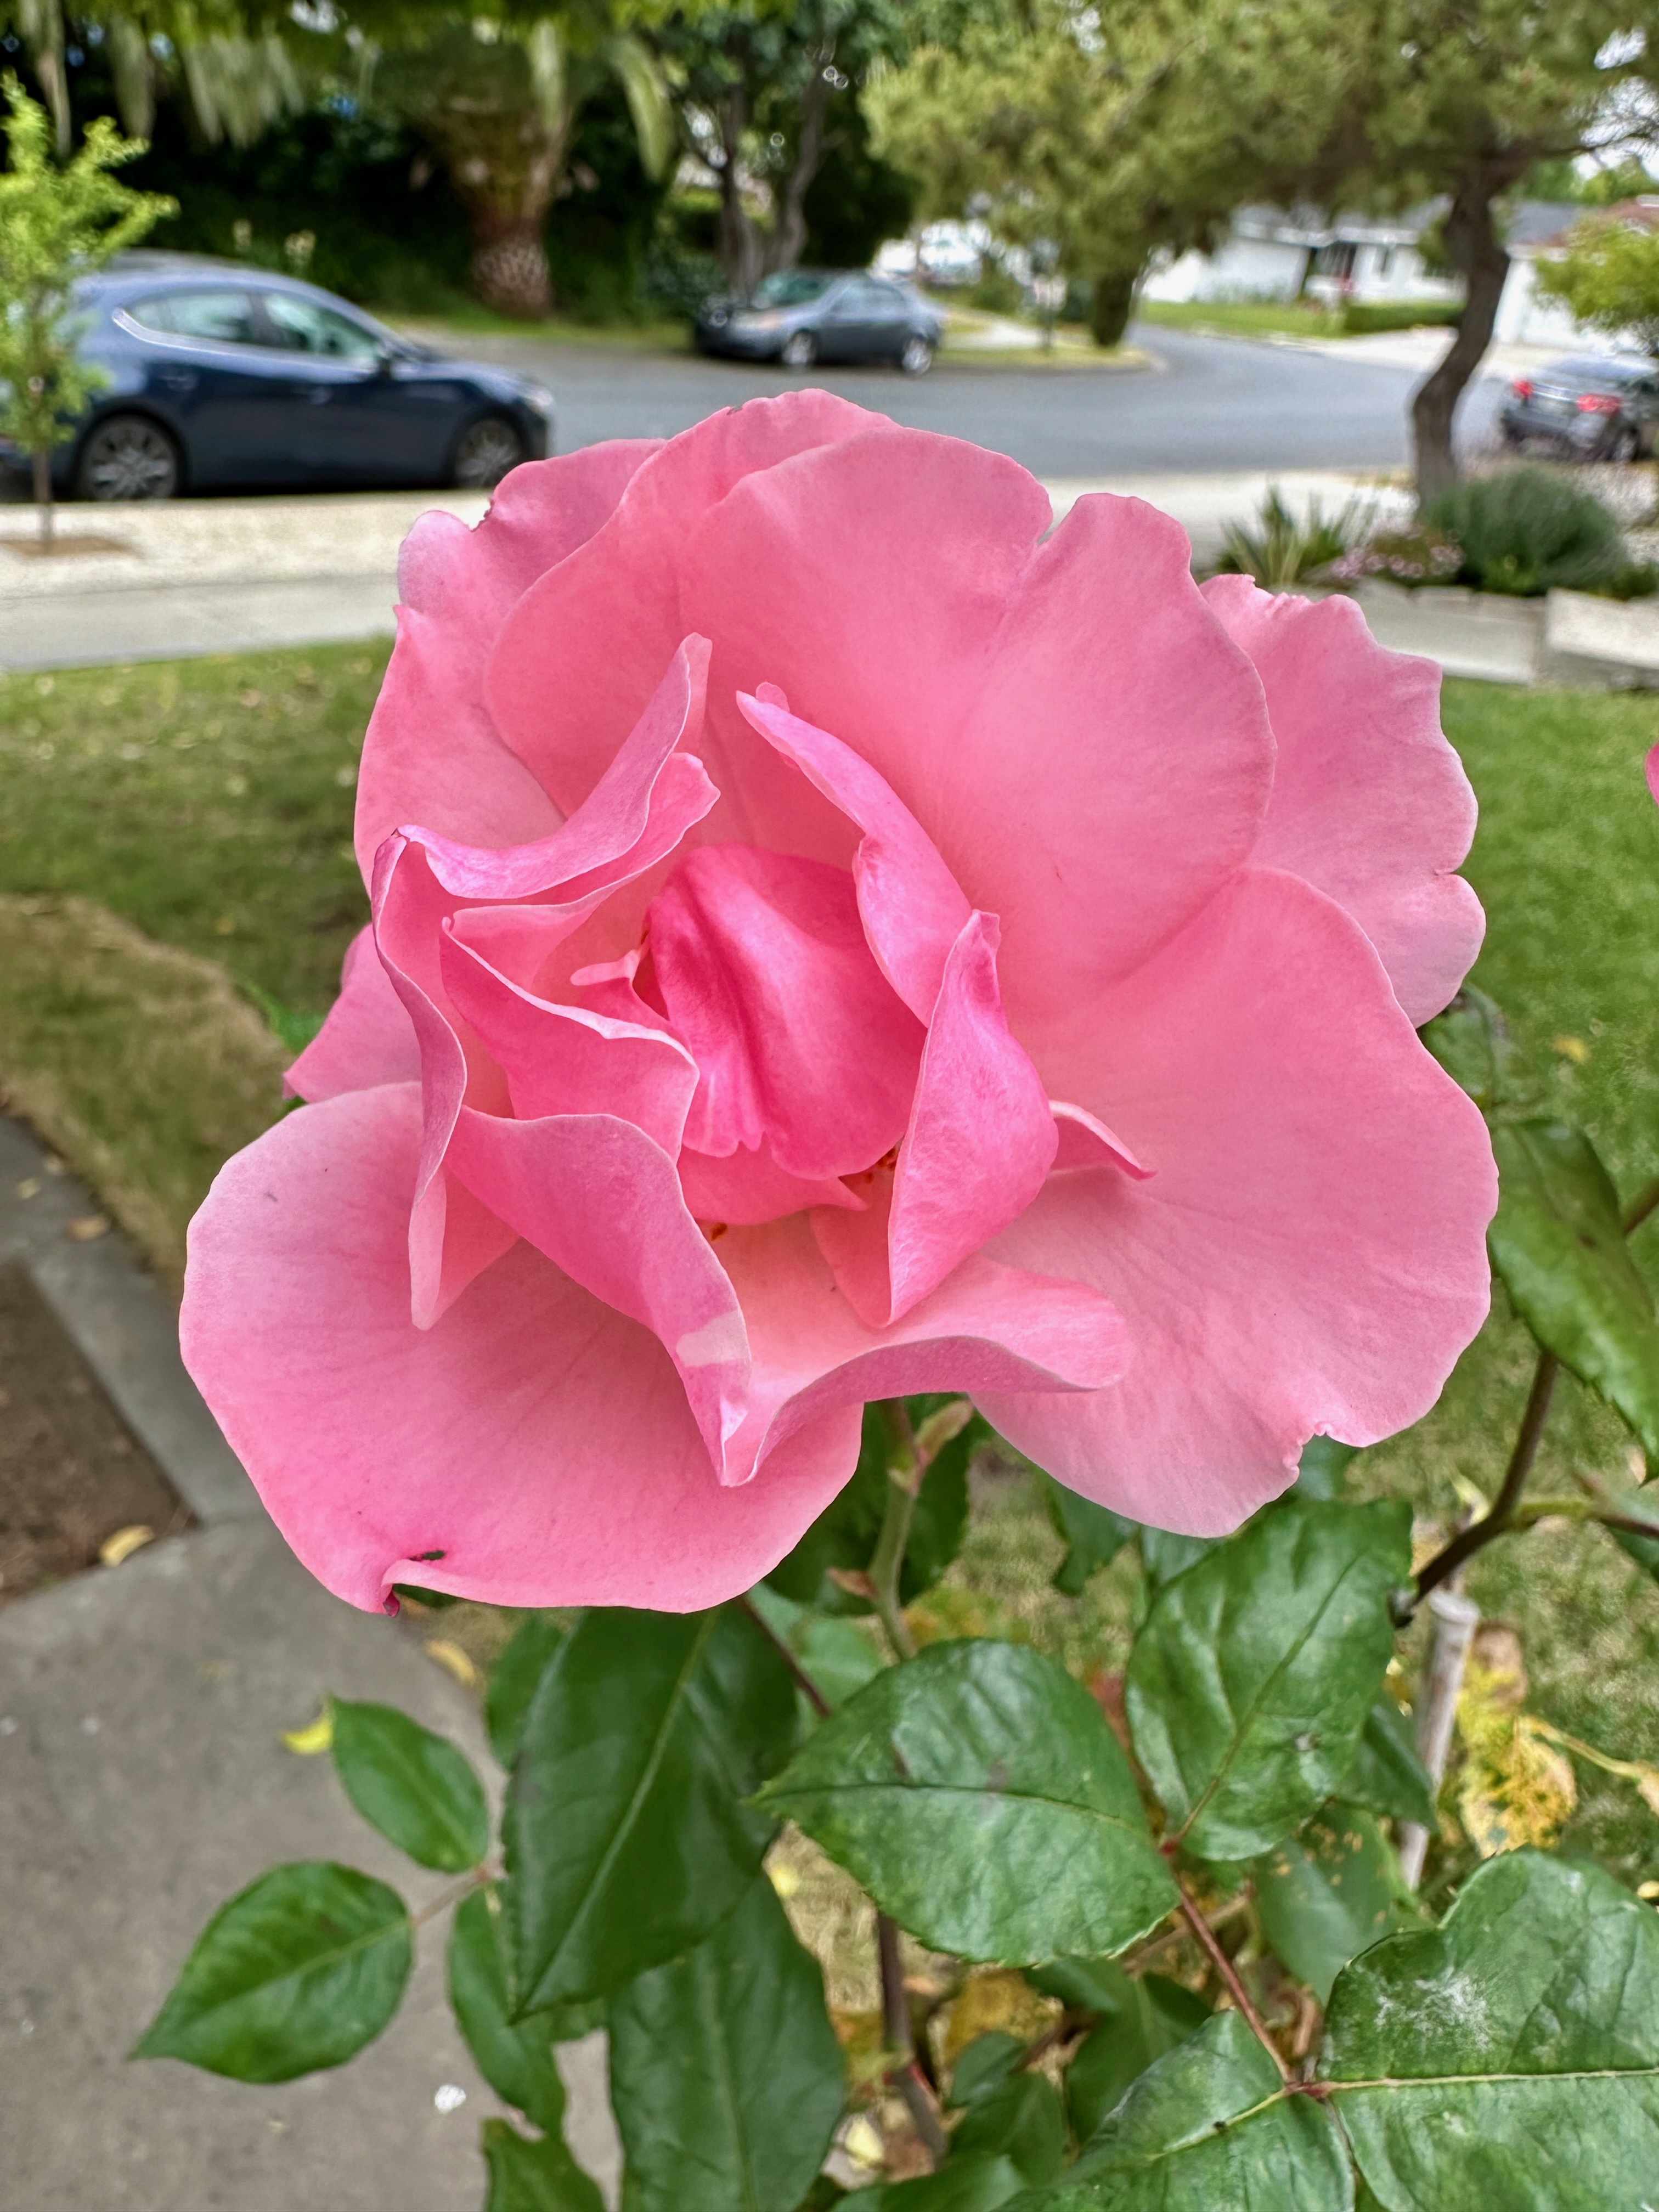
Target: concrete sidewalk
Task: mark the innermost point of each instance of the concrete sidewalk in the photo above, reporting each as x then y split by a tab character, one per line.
143	1782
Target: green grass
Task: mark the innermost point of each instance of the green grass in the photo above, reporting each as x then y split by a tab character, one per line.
663	335
209	803
1243	319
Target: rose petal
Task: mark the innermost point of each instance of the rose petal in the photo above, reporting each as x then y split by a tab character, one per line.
982	1138
368	1037
988	1327
1370	802
575	663
1086	1142
912	907
565	1060
1309	1258
801	1044
745	1187
603	1202
537	1441
431	753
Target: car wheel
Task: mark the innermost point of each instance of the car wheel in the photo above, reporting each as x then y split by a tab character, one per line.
800	350
1625	443
917	358
486	451
128	456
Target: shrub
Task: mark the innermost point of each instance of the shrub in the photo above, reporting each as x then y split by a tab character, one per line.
1416	554
1362	317
1526	531
1280	549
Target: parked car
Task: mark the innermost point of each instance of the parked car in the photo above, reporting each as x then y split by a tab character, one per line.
804	316
220	376
1597	410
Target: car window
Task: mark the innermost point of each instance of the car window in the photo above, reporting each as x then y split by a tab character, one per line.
791	288
222	318
867	302
304	326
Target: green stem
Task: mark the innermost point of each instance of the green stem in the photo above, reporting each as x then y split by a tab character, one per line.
905	1474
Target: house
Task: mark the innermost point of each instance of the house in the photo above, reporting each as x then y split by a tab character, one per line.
1538	229
1271	254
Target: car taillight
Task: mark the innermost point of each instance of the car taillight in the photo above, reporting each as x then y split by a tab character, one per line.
1522	388
1597	403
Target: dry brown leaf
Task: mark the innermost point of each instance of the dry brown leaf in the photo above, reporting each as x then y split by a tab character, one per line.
86	1226
124	1543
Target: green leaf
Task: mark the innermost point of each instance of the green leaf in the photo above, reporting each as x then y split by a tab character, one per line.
1329	1892
1557	1244
298	1971
1021	2121
1093	1536
1164	1555
1323	1471
515	2057
980	1798
984	2066
533	2177
1471	1040
1387	1776
1511	2057
844	1535
626	1829
1251	1678
1209	2129
1142	2017
414	1786
838	1654
971	2184
512	1680
726	2075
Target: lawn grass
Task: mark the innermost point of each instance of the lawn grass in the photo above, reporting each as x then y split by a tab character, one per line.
208	804
1243	319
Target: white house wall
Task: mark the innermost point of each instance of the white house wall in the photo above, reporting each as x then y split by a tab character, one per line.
1242	269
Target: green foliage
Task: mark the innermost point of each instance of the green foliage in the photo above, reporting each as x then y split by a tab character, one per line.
1329	1892
512	1680
527	2176
515	2057
725	2071
1387	1776
1281	551
1251	1680
1139	2018
297	1971
1526	530
843	1536
57	224
643	1725
1511	2056
1361	318
1608	276
1094	1535
981	1798
416	1788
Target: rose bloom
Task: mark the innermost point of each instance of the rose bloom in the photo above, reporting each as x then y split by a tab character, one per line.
837	935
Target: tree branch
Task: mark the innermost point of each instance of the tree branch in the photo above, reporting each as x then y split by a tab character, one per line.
1501	1518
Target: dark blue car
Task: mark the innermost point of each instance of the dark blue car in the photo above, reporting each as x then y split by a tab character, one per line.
219	376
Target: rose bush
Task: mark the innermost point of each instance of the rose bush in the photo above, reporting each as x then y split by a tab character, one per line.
835	937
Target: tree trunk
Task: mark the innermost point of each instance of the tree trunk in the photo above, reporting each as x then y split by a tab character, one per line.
1114	301
1475	248
741	247
783	248
42	466
509	265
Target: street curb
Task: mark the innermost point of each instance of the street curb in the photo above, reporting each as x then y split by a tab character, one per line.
122	1322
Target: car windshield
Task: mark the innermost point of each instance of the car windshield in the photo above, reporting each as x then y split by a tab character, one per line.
1593	372
791	288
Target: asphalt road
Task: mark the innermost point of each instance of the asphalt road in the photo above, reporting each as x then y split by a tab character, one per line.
1206	404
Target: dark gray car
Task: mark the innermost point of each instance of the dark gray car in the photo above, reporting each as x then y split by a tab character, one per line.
1593	410
804	316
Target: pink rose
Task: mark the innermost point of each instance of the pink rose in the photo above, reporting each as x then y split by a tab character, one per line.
832	940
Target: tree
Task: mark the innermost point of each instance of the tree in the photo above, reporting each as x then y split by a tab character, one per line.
767	89
56	225
1105	137
1609	277
231	58
1462	97
497	100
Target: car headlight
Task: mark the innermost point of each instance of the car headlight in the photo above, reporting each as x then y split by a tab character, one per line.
542	400
770	321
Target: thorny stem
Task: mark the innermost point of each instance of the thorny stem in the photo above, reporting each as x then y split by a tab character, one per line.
1235	1989
1234	1909
804	1682
1501	1518
898	2035
904	1476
